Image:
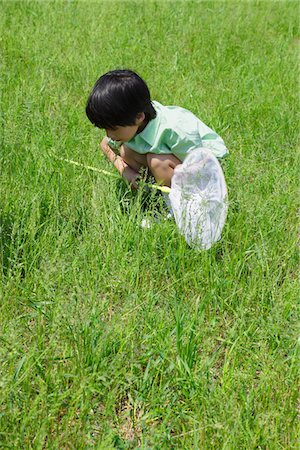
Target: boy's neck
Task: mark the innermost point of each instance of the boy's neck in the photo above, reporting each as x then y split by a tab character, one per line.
142	126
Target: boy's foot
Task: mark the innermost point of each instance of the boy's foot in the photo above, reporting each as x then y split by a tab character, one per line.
164	213
148	222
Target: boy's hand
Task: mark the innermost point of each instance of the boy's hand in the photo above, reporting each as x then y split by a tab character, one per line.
111	155
122	167
131	176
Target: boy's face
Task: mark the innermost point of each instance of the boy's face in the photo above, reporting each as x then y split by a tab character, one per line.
123	134
126	133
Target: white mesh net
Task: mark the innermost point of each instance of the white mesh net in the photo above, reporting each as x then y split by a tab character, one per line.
199	198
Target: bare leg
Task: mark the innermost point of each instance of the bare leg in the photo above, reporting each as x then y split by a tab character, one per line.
133	159
162	167
134	162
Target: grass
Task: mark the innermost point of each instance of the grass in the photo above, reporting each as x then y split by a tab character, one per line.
118	337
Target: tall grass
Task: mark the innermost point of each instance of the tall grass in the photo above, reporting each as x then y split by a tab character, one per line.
117	337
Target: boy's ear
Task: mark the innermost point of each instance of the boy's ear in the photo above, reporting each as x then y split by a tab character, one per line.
140	118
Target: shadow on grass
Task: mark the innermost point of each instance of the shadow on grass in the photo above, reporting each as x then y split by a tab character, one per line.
146	199
6	227
6	241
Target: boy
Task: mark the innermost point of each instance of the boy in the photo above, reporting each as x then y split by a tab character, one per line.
144	133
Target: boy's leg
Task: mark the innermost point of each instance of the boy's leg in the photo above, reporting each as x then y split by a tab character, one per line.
132	158
162	167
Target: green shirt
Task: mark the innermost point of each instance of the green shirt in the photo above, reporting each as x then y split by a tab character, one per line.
174	131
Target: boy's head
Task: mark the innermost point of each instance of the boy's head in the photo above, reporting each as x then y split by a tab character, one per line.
120	98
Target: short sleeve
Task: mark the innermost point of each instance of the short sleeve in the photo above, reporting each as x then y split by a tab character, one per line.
180	144
215	144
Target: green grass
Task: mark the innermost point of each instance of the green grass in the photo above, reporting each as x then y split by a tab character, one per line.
118	337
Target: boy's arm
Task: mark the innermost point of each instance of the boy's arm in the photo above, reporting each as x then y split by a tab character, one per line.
122	167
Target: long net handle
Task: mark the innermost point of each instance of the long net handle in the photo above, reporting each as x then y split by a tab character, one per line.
165	189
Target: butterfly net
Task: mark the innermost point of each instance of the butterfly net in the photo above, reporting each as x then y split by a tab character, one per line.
199	198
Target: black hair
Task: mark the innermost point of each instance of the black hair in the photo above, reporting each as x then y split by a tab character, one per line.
117	98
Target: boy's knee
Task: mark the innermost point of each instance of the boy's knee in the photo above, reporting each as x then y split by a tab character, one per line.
155	163
125	152
132	158
162	167
162	162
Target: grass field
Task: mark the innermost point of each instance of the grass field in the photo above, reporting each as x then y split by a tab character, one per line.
117	337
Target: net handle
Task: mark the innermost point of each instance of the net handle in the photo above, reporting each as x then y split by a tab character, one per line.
164	189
